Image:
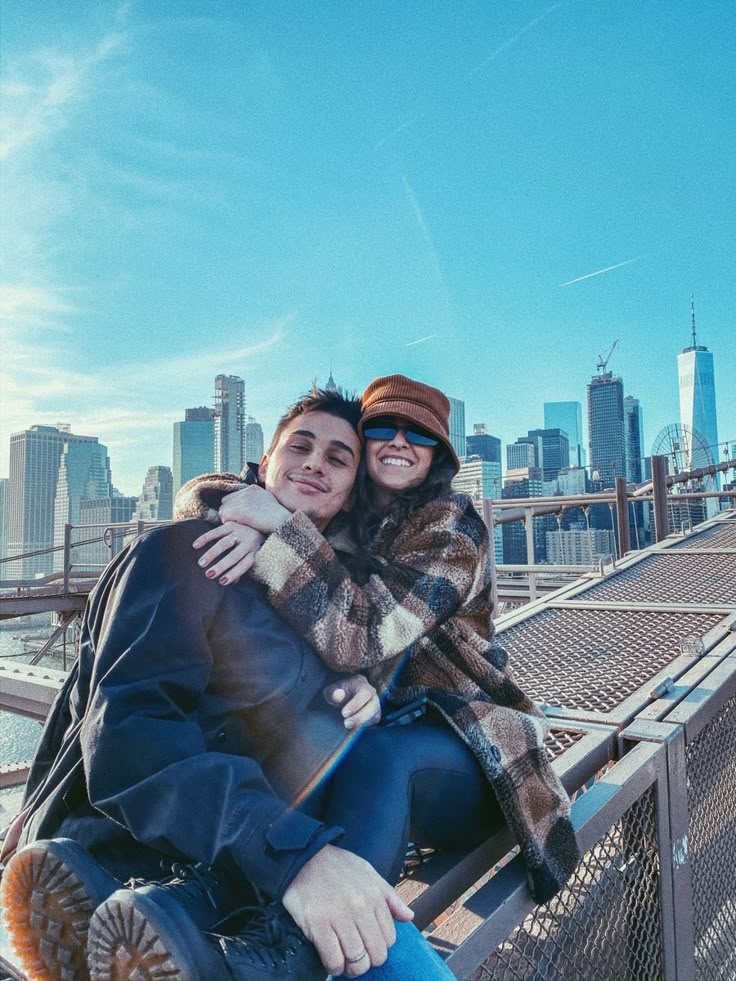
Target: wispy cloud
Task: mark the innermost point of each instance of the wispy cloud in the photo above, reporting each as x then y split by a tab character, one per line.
208	360
421	340
34	110
599	272
29	306
128	405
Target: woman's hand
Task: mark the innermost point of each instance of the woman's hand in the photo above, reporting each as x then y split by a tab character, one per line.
254	506
236	543
359	699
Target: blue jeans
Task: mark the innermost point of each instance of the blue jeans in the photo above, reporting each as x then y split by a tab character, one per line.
416	782
410	959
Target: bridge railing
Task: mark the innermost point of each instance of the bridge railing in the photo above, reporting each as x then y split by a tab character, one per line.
72	568
621	502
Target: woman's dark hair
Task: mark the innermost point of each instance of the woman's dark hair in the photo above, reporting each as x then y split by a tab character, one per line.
367	514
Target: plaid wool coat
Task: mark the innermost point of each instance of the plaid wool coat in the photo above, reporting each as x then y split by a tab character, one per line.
423	627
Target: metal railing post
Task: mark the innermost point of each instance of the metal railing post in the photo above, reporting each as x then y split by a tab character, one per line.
622	517
659	494
529	526
67	556
488	519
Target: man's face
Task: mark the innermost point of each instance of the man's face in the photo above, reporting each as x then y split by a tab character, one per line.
312	468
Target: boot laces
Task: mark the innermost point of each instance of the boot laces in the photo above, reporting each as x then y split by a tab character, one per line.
192	879
269	935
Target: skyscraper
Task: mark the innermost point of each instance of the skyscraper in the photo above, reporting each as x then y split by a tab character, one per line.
569	417
156	500
482	444
514	532
481	480
634	439
555	451
4	485
254	440
457	426
194	445
229	423
576	546
4	488
35	455
84	472
98	512
606	428
526	452
698	396
571	482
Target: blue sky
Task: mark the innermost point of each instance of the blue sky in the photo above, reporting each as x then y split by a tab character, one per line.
272	188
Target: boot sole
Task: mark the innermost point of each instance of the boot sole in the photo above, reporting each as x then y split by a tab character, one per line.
132	938
47	908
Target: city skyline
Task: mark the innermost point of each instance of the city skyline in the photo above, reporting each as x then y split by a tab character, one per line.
195	416
484	199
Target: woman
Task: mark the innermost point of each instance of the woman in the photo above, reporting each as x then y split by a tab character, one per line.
415	617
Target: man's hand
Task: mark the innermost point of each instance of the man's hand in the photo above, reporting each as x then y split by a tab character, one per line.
359	699
256	507
236	544
346	909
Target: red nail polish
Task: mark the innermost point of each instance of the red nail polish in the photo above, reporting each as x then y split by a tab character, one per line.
210	573
224	581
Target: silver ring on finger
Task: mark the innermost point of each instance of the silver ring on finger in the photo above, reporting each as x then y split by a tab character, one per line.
354	960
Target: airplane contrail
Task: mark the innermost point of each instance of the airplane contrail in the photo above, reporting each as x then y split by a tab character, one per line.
395	132
421	340
512	40
508	43
598	272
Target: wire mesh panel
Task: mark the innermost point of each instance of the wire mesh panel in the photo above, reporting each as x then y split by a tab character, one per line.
594	659
711	793
558	741
671	577
722	535
605	923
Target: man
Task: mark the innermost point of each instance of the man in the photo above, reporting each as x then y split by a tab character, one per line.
174	713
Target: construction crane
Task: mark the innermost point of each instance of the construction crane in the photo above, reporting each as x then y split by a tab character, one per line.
601	362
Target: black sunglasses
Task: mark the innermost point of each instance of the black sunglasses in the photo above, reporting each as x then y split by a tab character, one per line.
385	429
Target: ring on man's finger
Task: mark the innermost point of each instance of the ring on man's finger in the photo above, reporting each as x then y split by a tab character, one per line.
354	960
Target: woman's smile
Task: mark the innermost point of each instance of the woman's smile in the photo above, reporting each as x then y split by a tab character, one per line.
395	461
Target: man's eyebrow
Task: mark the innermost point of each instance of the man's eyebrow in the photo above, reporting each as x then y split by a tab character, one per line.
342	446
338	443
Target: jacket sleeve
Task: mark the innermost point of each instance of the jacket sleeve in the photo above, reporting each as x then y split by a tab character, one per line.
437	562
145	755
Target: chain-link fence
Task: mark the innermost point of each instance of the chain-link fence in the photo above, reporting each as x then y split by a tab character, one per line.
604	924
711	795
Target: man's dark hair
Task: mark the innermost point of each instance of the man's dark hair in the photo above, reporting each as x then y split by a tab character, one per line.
335	402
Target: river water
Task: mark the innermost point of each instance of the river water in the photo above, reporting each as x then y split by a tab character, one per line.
19	736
